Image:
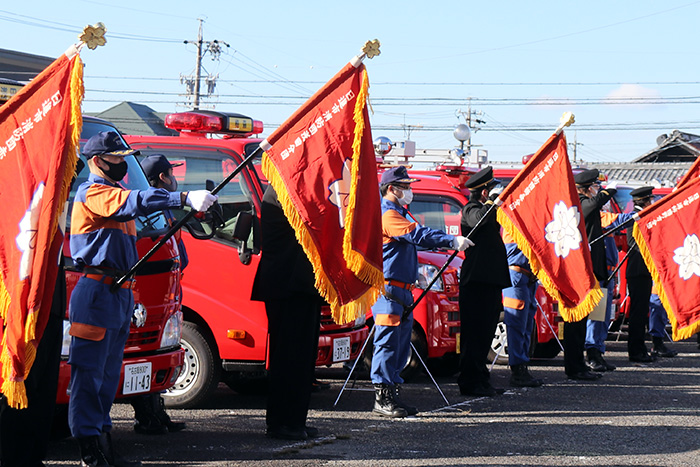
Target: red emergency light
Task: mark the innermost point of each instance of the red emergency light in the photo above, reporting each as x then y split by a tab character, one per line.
210	122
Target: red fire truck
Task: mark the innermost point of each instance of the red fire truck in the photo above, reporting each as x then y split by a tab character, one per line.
224	332
153	358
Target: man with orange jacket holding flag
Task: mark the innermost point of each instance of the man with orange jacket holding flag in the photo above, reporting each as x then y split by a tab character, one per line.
392	331
103	246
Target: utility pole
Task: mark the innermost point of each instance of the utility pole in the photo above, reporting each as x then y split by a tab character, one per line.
193	84
468	118
575	145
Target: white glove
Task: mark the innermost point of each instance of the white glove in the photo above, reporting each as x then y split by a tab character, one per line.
612	185
200	200
461	243
495	191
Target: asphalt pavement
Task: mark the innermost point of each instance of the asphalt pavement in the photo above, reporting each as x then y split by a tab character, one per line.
639	414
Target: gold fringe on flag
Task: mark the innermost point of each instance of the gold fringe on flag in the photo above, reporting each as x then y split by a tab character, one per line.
569	314
356	262
679	333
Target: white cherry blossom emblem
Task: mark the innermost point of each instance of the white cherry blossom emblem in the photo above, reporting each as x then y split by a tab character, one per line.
688	257
563	231
340	191
28	229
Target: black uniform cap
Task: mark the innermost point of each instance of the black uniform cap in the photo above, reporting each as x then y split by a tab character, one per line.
587	177
482	179
642	192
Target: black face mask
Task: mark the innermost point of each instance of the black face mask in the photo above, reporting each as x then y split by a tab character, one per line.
116	171
172	186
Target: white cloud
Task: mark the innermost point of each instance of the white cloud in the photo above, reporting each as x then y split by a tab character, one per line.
630	93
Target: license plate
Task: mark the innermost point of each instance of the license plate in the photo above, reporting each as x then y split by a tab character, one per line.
341	349
137	378
458	343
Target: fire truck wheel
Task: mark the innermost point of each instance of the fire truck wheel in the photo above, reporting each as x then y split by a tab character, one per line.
499	345
202	371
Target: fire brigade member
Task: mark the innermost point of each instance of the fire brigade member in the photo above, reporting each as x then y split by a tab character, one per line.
597	331
149	409
592	199
519	306
658	319
639	286
103	245
392	332
483	276
285	281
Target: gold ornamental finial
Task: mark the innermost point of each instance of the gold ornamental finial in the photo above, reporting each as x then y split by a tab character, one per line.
567	119
93	36
371	48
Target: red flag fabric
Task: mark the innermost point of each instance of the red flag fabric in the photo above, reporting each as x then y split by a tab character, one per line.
692	173
540	210
667	235
39	134
321	163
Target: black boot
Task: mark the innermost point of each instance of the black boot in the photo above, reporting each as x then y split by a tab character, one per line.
90	453
521	378
113	457
164	418
410	410
659	348
384	403
595	360
146	408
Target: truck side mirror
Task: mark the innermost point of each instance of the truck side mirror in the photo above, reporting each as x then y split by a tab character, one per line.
241	232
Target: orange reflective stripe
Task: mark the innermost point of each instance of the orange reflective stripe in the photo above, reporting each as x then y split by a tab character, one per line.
387	320
513	303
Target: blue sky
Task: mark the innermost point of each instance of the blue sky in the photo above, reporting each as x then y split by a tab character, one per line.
519	64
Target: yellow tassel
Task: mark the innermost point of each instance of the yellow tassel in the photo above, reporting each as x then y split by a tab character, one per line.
16	394
356	262
679	333
574	314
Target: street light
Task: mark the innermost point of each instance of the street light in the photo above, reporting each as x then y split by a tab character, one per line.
462	133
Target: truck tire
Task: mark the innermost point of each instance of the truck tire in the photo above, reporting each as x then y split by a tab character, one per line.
499	343
202	369
413	365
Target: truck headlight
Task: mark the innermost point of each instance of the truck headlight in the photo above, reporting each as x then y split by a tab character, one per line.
360	321
426	273
172	331
65	346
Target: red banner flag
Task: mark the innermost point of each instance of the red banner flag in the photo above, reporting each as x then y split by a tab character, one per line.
667	235
321	163
540	209
39	134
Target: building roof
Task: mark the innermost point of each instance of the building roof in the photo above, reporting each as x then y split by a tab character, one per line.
21	66
645	173
676	147
136	119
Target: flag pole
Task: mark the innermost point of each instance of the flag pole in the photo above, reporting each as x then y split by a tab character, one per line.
175	228
369	50
611	231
